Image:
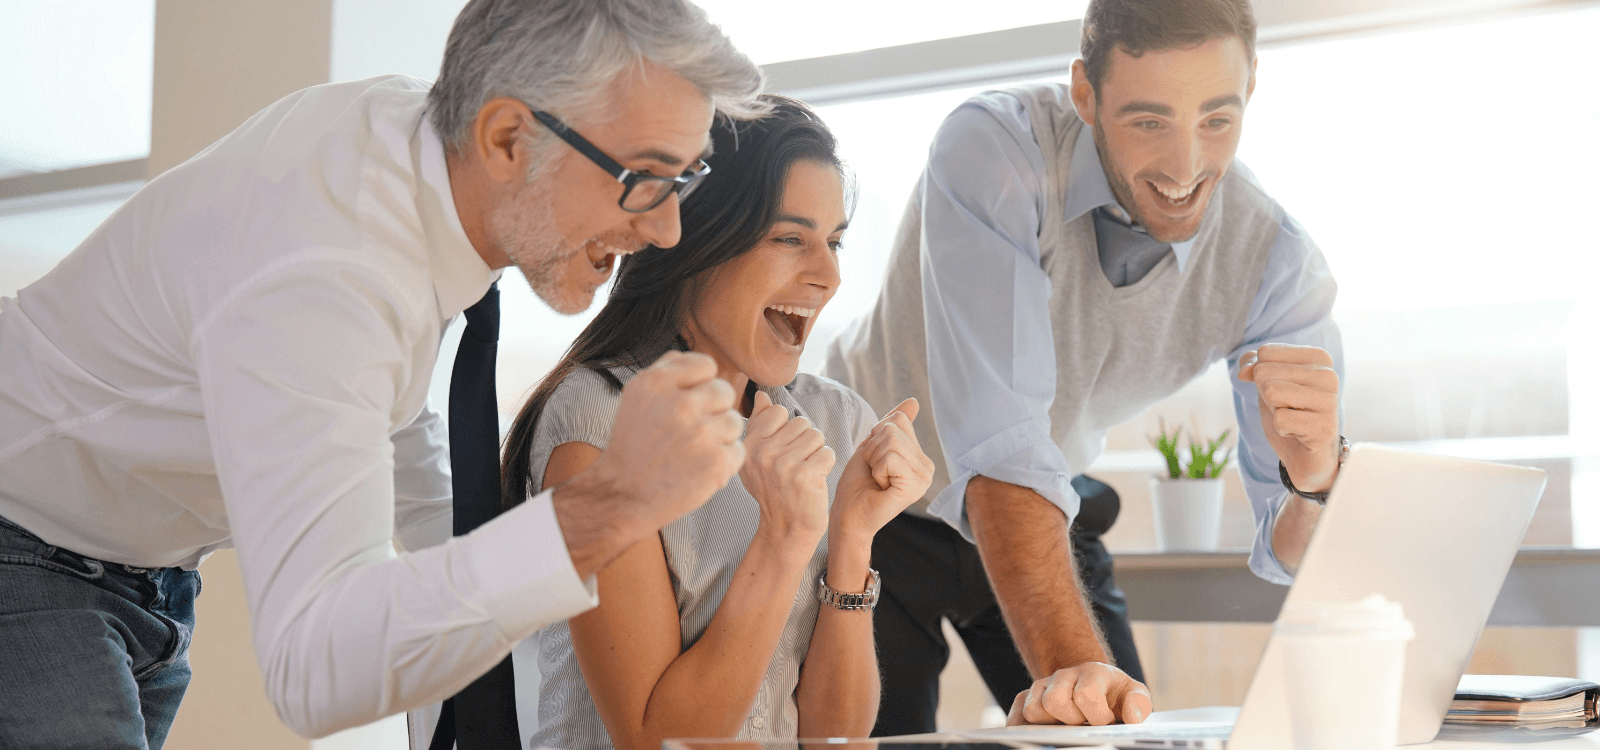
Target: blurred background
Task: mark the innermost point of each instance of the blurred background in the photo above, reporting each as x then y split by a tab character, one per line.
1442	154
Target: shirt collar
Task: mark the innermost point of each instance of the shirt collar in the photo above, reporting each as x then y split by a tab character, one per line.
460	277
1088	189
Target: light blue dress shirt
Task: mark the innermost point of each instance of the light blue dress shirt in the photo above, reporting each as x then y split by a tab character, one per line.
983	199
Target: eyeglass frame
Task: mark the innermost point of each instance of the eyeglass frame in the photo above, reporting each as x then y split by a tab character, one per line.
682	185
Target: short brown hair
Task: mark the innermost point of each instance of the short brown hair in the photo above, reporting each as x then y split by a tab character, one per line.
1140	26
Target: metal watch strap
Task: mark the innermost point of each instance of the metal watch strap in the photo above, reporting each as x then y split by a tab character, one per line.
1320	498
864	601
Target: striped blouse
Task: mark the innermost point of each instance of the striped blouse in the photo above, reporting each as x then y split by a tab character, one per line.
702	550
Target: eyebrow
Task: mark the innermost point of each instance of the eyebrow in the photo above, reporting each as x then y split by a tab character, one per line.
801	220
657	155
1162	110
666	159
1145	107
809	224
1218	102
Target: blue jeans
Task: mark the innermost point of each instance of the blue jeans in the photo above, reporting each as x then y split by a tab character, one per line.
92	654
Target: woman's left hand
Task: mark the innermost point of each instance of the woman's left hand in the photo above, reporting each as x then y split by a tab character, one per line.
885	475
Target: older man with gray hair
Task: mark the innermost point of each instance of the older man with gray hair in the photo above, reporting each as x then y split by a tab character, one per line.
240	356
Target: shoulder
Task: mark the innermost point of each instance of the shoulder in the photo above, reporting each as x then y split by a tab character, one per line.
986	155
990	117
1292	243
839	411
587	390
1245	192
581	409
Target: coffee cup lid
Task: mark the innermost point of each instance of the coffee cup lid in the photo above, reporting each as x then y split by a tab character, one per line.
1374	616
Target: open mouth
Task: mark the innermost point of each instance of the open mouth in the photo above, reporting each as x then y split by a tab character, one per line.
1176	197
789	322
603	255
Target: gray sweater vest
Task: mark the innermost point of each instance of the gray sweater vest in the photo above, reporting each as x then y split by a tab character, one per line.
1117	350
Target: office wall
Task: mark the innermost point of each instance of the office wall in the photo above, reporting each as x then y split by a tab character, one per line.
216	64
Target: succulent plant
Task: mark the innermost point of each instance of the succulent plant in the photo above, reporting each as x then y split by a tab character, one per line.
1203	460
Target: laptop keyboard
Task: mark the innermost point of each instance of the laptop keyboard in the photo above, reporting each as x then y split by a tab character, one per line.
1218	732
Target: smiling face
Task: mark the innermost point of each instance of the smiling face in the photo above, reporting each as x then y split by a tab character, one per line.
1167	125
560	222
753	313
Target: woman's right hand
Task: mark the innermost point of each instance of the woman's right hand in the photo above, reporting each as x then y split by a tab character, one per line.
786	467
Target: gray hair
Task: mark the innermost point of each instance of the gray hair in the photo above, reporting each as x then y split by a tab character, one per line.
563	55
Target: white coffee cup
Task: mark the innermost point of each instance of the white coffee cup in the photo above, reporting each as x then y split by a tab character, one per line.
1344	664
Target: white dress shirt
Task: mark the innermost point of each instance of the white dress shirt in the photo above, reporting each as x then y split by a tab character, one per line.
240	356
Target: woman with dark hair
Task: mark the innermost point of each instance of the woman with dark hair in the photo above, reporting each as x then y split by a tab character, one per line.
750	616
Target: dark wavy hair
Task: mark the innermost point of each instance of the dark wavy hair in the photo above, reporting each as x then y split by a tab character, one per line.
656	288
1140	26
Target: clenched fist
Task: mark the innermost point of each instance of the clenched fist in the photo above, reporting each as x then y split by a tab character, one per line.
1299	401
786	469
887	473
675	441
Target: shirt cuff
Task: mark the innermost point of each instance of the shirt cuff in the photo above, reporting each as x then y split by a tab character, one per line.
1016	456
524	571
1263	560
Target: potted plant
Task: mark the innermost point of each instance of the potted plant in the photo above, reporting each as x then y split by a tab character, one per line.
1188	499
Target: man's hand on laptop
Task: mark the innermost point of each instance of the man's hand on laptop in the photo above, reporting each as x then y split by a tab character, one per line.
1089	693
1299	400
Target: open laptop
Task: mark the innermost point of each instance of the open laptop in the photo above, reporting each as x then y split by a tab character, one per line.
1436	534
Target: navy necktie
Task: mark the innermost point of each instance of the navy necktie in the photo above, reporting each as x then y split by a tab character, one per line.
483	716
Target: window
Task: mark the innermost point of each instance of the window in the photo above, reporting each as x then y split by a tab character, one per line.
76	86
775	32
1448	194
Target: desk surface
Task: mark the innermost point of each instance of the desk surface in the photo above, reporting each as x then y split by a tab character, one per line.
1464	738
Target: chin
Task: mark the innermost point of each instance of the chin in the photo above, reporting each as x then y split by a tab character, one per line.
776	374
1173	234
565	296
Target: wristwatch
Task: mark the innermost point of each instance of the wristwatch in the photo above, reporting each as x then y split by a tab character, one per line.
864	601
1320	498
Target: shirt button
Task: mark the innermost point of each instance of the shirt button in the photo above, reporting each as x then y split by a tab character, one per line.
758	722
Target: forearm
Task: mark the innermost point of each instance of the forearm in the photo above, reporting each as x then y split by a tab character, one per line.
597	523
1291	532
708	690
1027	554
838	693
390	634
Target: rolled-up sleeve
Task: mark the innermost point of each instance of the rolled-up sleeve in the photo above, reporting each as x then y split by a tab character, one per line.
991	355
1293	306
304	434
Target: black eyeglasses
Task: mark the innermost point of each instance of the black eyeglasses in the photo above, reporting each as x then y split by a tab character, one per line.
640	192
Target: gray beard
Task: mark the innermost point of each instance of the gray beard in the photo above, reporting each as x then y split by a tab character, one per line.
524	228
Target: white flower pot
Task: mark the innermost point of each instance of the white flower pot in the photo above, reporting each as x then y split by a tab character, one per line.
1188	514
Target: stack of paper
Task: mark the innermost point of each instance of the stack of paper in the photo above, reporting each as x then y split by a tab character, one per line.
1523	700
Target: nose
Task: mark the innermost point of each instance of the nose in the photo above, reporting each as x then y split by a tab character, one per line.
823	271
1184	161
660	225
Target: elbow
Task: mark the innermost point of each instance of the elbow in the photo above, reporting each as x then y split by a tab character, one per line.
300	705
296	712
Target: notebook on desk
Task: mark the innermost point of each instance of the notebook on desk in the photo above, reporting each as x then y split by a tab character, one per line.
1435	534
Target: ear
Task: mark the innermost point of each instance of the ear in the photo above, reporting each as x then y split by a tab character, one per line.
1250	88
1082	92
495	138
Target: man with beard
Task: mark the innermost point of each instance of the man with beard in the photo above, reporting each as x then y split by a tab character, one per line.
240	356
1072	254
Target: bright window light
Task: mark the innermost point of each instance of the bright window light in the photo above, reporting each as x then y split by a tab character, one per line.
75	82
773	32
